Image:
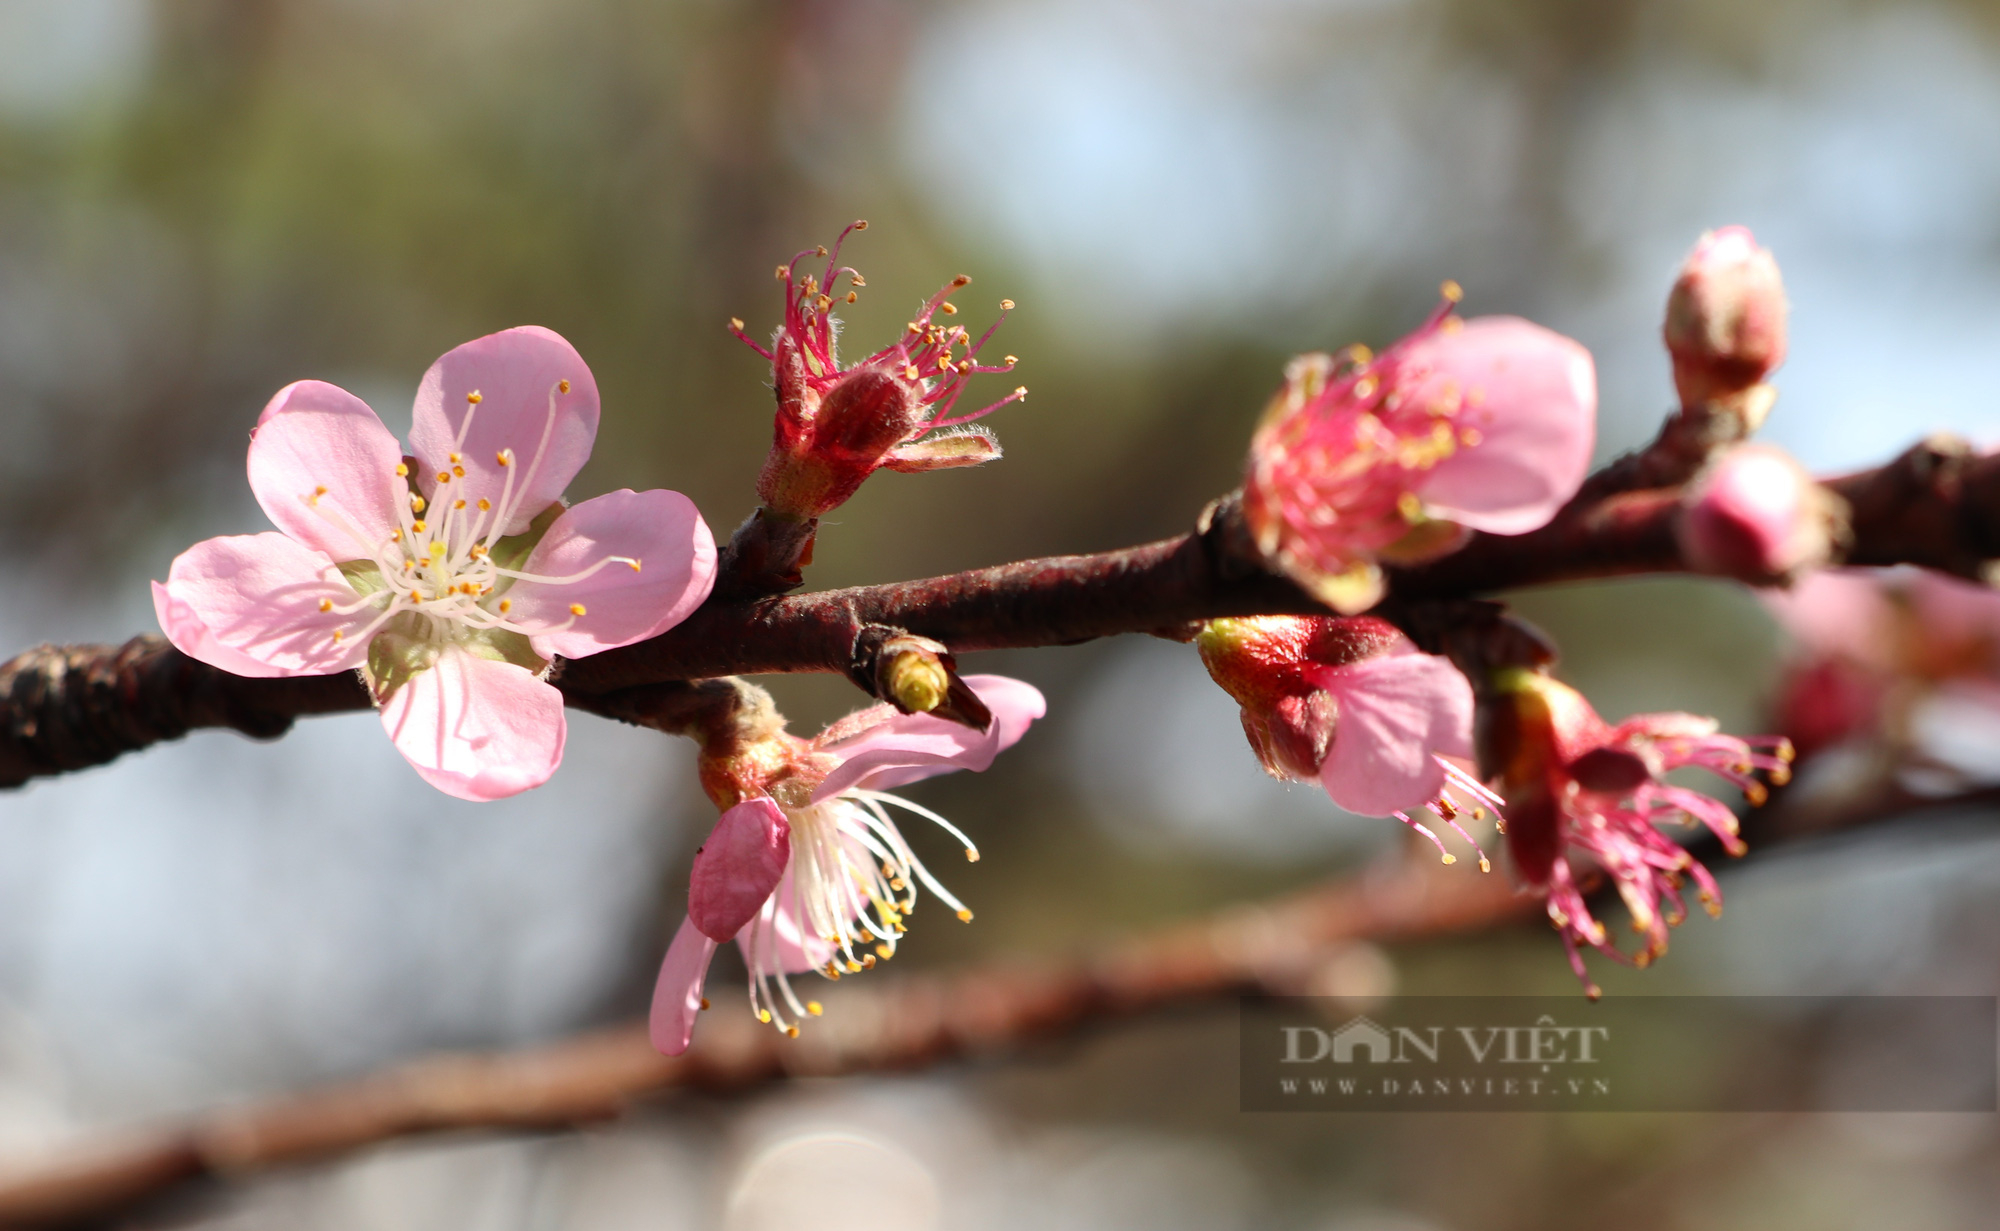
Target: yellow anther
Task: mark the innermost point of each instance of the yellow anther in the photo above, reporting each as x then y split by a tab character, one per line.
781	271
851	297
562	386
736	324
972	854
484	504
417	503
326	604
857	279
962	280
1011	360
402	471
458	471
338	633
437	551
1452	291
1485	865
910	370
884	952
914	327
791	1032
965	916
813	1007
395	536
1021	392
478	551
764	1015
419	526
506	605
855	968
823	303
458	504
948	308
1006	305
444	476
474	398
505	457
634	564
577	609
704	1002
1450	858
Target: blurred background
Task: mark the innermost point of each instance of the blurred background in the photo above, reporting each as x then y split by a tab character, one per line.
202	200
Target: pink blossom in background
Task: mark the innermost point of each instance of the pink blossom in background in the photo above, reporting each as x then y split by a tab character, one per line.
1484	424
836	426
451	578
1352	704
1871	644
1575	784
813	874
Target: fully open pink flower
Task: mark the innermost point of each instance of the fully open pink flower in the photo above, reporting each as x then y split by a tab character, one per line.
1575	783
453	577
1352	704
815	875
1484	424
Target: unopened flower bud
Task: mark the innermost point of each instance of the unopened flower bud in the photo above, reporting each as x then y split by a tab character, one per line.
1756	515
1725	323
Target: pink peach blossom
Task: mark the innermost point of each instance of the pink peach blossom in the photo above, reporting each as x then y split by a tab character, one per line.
452	585
815	875
1484	424
1352	704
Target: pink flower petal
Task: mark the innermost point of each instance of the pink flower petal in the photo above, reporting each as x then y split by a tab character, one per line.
1398	712
184	628
258	596
315	436
1532	398
660	529
477	728
738	867
909	747
517	374
677	993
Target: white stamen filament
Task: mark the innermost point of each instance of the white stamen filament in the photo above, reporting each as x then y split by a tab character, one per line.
851	882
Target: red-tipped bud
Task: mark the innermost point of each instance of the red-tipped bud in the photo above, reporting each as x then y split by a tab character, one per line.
1756	515
1725	322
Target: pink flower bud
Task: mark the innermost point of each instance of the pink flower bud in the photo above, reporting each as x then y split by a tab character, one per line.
836	426
1725	323
1756	515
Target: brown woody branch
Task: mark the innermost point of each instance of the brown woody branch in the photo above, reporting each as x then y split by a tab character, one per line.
870	1026
68	708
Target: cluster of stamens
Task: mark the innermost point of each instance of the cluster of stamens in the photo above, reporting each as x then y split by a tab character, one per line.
1341	449
439	561
1448	807
928	353
847	893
